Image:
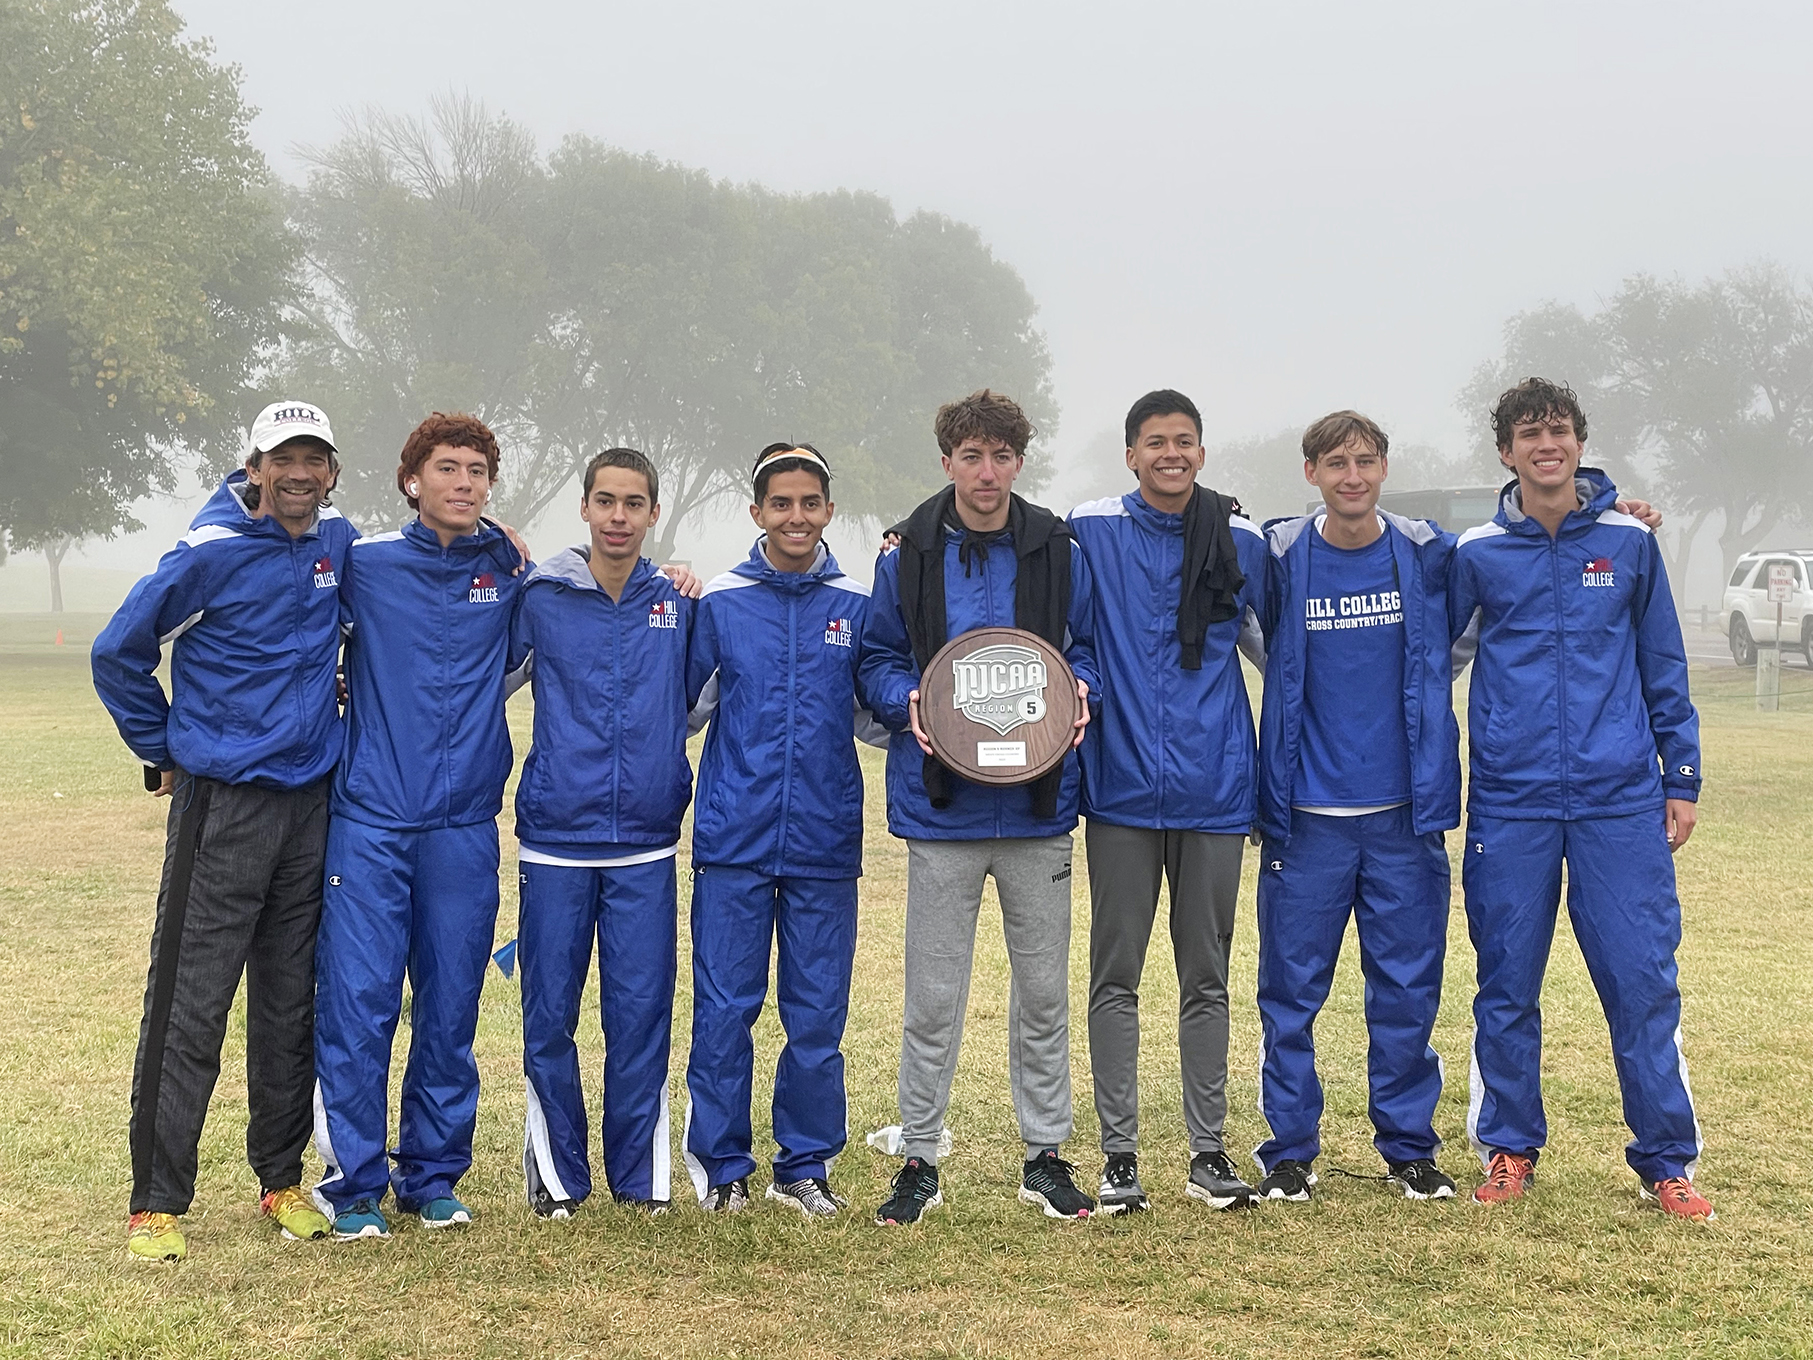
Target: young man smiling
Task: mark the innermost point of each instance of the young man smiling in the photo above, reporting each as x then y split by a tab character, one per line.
249	601
1584	750
598	813
777	841
1360	776
1168	784
412	853
973	556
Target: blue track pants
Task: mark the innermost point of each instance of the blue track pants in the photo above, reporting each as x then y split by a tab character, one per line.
737	915
1394	883
631	911
1621	901
396	903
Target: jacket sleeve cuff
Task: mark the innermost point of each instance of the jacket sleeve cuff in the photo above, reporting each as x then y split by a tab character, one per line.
1689	793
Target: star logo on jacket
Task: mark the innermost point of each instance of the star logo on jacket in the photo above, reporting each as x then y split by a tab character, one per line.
483	589
664	614
838	633
1598	573
324	574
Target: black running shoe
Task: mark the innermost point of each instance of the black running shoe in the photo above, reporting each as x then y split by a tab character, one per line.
546	1206
1421	1179
1121	1192
732	1197
1048	1182
1214	1181
1290	1180
915	1191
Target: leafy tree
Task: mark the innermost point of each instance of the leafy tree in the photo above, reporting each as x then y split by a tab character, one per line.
606	298
143	262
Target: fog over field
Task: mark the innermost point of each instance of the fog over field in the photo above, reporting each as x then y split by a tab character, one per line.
1279	209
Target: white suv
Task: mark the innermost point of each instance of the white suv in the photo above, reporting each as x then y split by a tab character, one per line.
1750	617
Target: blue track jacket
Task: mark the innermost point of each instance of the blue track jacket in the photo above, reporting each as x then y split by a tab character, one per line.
1173	749
255	619
607	765
774	661
1580	682
427	655
1423	554
982	599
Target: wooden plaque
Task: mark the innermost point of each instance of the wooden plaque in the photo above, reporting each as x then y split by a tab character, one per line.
999	705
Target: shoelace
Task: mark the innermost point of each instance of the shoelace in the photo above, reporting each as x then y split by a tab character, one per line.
1676	1189
1504	1172
1055	1171
1121	1175
914	1181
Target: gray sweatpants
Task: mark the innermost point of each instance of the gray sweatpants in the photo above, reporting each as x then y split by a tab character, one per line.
1125	866
944	894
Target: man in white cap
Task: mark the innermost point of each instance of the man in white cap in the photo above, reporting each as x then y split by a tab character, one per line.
250	601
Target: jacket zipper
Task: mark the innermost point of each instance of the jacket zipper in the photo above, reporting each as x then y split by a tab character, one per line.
1561	723
1156	680
617	707
780	840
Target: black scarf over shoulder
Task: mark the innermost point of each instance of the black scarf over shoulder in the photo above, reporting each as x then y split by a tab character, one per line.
1212	578
1041	599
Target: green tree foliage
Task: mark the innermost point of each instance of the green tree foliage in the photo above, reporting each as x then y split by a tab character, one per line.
1697	395
143	259
603	298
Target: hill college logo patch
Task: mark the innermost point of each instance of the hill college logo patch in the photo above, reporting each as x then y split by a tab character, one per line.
324	574
1598	573
483	589
664	614
838	633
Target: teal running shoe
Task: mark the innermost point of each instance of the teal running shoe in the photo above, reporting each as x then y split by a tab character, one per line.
360	1220
445	1212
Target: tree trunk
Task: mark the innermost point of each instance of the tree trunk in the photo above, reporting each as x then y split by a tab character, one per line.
1677	560
1737	538
54	552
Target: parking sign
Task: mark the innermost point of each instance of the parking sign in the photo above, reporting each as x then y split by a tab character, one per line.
1781	583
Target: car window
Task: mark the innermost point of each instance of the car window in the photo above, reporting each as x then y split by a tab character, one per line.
1742	573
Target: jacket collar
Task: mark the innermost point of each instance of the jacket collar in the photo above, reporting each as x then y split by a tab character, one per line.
757	567
572	568
422	536
1592	487
227	508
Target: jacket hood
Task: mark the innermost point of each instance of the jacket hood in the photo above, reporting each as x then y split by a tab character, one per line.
757	567
573	567
1282	533
1593	487
226	508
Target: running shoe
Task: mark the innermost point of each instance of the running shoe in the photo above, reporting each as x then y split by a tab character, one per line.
359	1220
1421	1179
1507	1177
297	1217
811	1196
1677	1196
1121	1192
546	1206
155	1237
1289	1180
732	1197
444	1211
1214	1181
915	1191
1049	1182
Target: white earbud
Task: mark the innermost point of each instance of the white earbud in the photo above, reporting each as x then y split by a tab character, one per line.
414	489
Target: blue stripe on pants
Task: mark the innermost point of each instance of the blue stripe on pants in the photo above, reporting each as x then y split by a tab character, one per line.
421	903
631	911
1394	883
736	914
1621	901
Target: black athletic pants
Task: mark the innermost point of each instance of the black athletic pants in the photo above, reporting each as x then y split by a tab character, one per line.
241	892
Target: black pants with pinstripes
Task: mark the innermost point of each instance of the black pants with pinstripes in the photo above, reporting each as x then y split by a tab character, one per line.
241	893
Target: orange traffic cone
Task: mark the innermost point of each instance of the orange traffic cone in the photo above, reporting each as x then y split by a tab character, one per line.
59	637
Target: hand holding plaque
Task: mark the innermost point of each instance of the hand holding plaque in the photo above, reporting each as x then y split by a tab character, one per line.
999	706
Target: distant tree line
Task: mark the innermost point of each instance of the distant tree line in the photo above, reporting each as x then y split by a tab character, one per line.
157	284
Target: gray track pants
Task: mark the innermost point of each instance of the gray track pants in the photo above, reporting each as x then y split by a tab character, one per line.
1125	866
944	893
242	885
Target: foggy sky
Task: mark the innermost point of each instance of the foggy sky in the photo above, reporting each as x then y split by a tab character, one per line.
1280	209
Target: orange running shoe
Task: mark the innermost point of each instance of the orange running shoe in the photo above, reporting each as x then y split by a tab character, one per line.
1677	1196
1507	1177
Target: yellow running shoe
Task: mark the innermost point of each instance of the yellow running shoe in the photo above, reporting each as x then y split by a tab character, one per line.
155	1237
296	1214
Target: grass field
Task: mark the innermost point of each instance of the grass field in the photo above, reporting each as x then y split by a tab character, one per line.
1579	1269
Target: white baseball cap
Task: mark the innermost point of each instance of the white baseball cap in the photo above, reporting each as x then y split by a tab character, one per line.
283	420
